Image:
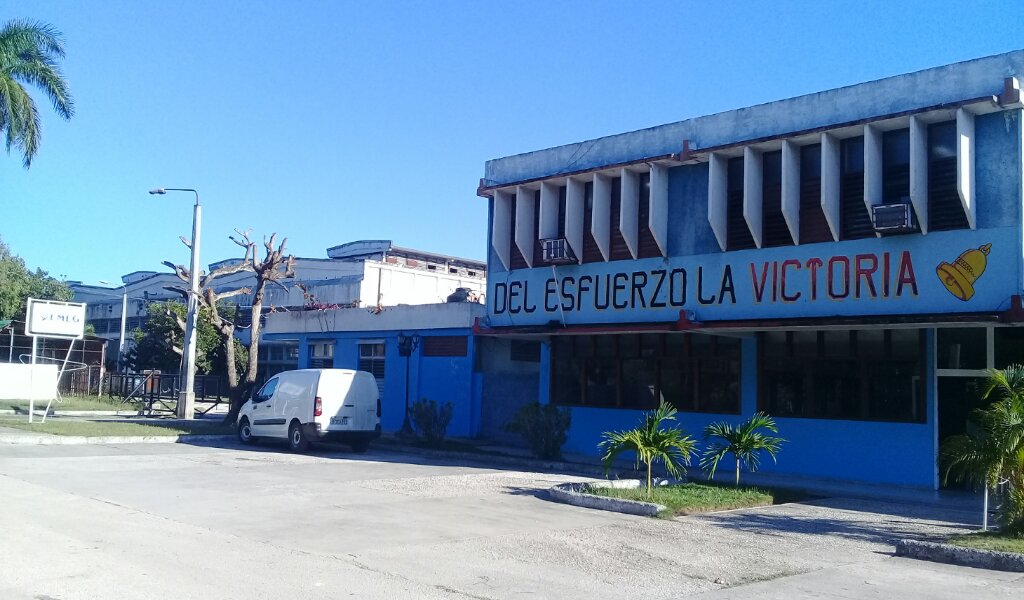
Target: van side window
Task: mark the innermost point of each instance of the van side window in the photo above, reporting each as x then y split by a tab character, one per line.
266	391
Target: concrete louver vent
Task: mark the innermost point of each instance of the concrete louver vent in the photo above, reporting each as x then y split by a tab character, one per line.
536	221
501	227
753	173
524	233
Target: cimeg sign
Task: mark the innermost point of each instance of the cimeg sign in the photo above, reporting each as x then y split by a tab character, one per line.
49	318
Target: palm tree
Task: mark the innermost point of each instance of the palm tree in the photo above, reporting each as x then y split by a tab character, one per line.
744	442
670	446
29	53
992	451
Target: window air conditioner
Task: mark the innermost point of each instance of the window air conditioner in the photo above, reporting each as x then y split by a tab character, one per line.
557	251
893	218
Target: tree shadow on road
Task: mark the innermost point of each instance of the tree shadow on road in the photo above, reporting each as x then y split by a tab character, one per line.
861	520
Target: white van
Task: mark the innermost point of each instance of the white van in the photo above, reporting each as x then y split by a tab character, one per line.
311	405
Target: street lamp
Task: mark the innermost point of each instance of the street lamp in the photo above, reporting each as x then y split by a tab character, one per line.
124	318
187	396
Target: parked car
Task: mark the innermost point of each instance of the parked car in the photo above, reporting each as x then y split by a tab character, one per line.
312	405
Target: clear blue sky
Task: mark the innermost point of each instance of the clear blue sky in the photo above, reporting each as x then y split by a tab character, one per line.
333	121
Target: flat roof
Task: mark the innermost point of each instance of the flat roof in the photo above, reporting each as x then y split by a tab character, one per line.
948	84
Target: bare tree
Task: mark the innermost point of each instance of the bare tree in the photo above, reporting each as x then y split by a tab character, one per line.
273	267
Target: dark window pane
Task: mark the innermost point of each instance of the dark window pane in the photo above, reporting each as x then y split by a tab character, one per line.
676	384
852	151
605	346
602	381
566	374
871	374
962	348
1009	346
639	380
650	344
629	345
810	162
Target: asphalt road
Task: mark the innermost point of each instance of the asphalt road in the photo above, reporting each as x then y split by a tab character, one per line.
176	521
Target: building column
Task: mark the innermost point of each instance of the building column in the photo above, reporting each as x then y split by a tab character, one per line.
303	352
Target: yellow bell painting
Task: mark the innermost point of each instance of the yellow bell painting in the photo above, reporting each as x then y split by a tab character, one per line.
960	276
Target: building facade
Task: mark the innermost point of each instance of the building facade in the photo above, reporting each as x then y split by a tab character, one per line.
849	262
415	352
366	273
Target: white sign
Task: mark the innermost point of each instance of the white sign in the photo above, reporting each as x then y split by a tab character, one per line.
49	318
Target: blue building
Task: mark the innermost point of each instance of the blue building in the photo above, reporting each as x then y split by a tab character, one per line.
415	352
849	262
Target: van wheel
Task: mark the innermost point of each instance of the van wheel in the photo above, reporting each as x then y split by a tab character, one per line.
245	432
361	446
297	440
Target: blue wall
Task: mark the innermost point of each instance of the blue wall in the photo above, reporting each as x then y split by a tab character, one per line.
443	379
871	452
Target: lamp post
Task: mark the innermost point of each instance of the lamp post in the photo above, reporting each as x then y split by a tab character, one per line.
406	345
187	396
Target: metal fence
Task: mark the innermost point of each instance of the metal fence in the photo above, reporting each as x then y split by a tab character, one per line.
84	381
159	391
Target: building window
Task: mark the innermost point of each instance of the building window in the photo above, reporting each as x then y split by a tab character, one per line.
945	211
868	374
813	225
855	222
525	351
737	233
321	355
696	373
371	360
446	345
896	166
774	227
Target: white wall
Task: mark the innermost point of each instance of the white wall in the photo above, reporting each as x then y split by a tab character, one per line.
398	284
24	382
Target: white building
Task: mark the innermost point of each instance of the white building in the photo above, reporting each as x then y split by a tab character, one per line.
364	273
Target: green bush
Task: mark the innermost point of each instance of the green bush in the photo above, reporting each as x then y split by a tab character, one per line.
545	428
430	420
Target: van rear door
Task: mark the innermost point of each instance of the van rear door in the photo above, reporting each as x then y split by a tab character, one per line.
333	391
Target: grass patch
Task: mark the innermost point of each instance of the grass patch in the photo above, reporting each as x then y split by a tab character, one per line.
58	426
693	498
73	403
989	540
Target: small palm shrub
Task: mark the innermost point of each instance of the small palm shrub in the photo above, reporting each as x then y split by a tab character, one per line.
430	420
991	453
545	428
744	442
652	444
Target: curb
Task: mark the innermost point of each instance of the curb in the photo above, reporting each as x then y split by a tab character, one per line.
49	439
959	555
571	493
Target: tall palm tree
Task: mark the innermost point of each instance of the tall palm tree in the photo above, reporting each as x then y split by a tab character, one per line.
745	443
29	55
651	443
991	453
